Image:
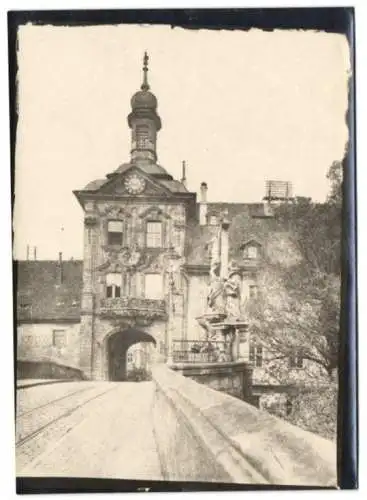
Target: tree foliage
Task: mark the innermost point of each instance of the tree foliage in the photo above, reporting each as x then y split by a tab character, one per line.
300	307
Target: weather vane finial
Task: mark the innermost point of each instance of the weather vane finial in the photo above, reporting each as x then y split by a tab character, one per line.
145	85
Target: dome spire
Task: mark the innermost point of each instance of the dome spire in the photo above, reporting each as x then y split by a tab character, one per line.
145	84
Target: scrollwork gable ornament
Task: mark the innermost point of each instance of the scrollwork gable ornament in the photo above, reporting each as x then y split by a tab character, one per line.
110	267
154	213
115	212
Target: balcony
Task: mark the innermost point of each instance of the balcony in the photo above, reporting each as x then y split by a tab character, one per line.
133	307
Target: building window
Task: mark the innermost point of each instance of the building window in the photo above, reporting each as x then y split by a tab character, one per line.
28	340
115	232
162	348
213	220
113	285
250	252
154	234
256	355
176	239
253	291
153	286
288	406
296	360
59	338
130	357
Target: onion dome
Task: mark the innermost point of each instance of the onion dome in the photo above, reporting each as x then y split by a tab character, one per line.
144	102
144	99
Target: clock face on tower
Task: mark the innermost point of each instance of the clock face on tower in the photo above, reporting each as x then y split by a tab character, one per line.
134	184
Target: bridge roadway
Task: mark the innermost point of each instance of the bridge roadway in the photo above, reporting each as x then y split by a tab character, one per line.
86	429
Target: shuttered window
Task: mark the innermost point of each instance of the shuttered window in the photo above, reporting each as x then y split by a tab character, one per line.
113	285
115	232
256	355
154	234
296	360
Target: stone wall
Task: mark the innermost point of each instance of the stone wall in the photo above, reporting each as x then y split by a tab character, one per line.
35	342
205	435
47	369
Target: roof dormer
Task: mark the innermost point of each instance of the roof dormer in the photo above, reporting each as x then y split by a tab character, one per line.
251	250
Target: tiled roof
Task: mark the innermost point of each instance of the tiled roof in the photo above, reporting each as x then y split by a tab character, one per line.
94	185
151	169
41	296
174	186
247	222
233	209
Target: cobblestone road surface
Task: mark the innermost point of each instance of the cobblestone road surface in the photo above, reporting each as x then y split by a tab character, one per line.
86	429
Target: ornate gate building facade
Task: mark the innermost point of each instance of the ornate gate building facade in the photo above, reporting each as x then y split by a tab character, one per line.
144	277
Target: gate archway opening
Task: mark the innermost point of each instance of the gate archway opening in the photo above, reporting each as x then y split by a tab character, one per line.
117	347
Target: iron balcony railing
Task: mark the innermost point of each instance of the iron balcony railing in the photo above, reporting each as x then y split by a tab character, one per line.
194	351
133	306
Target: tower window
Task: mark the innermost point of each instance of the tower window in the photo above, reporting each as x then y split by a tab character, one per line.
115	232
296	360
154	234
153	286
142	136
256	355
113	285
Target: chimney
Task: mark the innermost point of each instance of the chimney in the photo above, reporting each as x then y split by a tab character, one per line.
27	252
35	253
183	179
59	270
203	208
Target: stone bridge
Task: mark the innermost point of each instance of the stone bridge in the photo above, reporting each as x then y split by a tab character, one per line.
171	428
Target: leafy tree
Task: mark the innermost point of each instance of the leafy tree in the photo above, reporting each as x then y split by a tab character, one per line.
299	309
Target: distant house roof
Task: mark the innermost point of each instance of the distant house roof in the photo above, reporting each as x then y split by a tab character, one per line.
248	221
233	209
40	294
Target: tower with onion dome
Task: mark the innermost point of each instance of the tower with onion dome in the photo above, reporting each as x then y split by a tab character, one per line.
144	121
135	221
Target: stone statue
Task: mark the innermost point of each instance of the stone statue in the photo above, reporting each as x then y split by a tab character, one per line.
232	292
215	298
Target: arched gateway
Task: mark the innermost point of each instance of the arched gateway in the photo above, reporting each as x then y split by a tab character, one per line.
117	346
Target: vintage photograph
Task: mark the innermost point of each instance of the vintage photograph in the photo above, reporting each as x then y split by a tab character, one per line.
178	252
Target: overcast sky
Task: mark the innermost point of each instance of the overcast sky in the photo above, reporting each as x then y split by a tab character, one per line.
239	107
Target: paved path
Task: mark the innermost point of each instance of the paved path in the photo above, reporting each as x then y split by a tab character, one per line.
87	430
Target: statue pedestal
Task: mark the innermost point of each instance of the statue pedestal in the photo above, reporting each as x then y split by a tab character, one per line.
225	333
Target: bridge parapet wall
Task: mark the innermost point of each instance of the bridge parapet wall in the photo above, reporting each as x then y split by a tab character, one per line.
232	377
206	435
